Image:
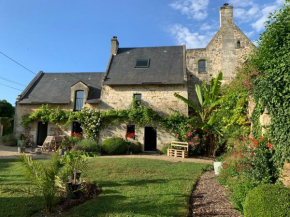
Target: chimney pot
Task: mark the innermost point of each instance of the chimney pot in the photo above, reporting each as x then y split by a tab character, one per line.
226	4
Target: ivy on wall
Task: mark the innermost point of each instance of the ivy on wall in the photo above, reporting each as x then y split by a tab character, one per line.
272	81
92	121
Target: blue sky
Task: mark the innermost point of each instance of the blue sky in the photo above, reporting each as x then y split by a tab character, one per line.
74	35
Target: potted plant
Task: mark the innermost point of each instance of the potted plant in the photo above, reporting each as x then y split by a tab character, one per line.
75	163
63	147
21	147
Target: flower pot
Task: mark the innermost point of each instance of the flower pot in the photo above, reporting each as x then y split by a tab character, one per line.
217	167
74	190
61	151
21	149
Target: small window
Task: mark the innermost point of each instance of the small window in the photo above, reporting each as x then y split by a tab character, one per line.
238	44
202	66
130	131
79	100
142	63
77	128
138	96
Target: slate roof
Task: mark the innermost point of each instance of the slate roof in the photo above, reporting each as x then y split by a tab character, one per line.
55	88
166	66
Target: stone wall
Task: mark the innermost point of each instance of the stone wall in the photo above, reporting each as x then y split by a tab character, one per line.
222	54
159	97
119	130
31	132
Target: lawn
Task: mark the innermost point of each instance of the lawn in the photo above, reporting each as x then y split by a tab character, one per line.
131	187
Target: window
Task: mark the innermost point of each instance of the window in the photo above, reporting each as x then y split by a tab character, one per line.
77	128
138	98
79	100
142	63
130	131
202	66
238	44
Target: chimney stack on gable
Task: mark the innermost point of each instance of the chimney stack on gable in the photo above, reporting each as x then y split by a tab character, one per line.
226	15
114	45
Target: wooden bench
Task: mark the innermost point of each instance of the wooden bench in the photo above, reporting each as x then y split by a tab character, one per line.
181	152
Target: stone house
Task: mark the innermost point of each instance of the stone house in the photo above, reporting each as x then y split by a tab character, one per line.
151	74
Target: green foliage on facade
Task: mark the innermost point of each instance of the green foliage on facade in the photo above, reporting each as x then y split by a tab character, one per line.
271	82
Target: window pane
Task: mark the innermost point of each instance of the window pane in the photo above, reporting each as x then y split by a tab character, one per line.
201	66
79	100
142	63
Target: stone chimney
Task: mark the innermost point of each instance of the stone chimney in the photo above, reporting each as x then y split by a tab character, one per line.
226	15
114	45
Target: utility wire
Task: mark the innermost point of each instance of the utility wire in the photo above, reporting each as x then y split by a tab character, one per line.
17	63
11	87
5	79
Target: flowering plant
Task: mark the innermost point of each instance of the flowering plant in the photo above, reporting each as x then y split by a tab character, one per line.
194	140
130	135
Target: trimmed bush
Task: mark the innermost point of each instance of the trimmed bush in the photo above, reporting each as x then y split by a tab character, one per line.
114	145
268	200
87	145
135	147
164	148
9	140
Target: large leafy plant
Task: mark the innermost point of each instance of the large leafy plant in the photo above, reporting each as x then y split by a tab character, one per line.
209	98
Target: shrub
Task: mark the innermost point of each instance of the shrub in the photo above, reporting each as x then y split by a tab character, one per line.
165	147
9	140
240	188
135	147
114	145
268	200
87	145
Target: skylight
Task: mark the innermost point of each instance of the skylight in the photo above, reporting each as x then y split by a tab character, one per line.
142	63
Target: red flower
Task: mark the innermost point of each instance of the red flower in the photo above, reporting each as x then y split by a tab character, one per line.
241	155
248	165
234	153
250	139
261	138
270	146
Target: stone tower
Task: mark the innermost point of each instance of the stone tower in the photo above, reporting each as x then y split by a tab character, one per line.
225	52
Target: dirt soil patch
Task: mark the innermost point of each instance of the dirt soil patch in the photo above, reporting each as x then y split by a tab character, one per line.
209	198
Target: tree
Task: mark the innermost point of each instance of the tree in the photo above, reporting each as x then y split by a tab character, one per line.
6	109
209	98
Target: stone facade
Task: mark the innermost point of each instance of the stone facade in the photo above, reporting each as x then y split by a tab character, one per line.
224	53
158	97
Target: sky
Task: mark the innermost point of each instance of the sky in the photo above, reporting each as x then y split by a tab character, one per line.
75	35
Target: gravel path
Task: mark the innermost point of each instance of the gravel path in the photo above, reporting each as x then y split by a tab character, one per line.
209	198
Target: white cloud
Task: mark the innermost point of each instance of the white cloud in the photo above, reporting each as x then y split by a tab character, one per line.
192	39
206	27
280	2
249	34
241	3
247	15
196	9
259	24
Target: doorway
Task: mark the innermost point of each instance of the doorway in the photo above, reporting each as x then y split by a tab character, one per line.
150	139
42	132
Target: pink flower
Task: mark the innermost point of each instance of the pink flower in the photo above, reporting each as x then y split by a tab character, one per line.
189	134
190	143
196	137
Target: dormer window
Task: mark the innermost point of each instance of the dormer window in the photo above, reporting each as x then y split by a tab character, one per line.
79	100
142	63
238	44
202	66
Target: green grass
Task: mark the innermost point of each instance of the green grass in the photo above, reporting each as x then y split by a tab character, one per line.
131	187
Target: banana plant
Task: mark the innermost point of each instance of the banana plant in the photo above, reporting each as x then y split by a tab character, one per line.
208	98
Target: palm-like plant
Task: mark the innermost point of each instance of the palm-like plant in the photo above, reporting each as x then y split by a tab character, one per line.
44	177
209	98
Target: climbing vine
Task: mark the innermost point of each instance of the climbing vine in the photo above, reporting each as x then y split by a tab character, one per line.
92	121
